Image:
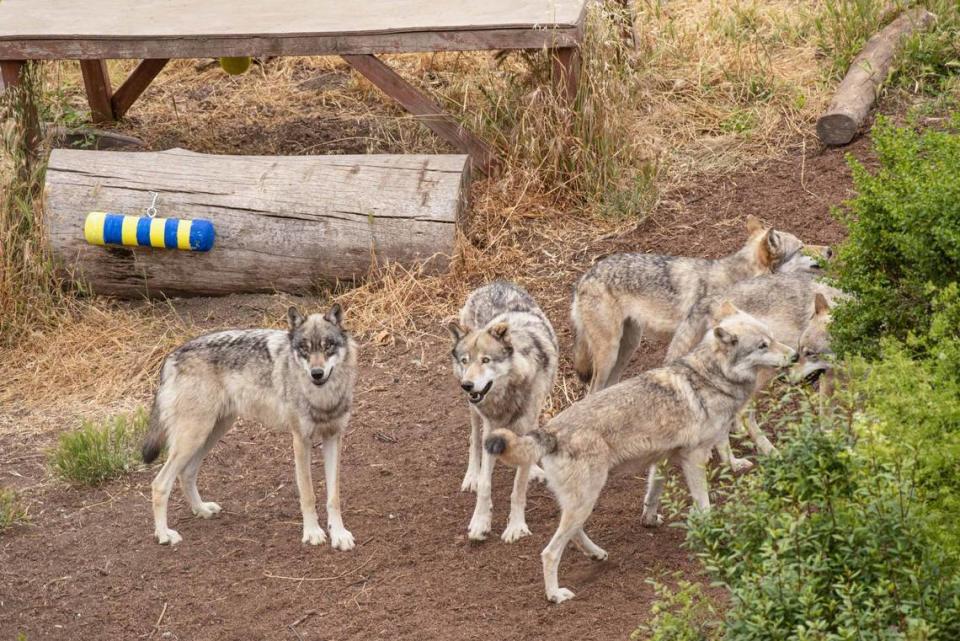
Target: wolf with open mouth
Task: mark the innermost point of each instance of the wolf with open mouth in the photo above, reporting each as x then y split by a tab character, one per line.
505	358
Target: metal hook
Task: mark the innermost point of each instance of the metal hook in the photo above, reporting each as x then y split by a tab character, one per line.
152	209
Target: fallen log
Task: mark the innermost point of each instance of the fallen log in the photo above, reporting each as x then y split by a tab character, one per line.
860	87
281	223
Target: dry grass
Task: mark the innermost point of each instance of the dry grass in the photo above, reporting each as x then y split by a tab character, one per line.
709	87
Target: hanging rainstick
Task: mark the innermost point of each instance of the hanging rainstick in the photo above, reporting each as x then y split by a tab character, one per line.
104	228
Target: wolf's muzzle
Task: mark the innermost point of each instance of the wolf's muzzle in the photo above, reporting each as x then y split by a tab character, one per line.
476	396
317	377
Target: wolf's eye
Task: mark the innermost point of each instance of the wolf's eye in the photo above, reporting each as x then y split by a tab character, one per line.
485	360
463	360
764	345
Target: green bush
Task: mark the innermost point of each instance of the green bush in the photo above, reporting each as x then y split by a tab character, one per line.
683	614
99	451
830	541
904	243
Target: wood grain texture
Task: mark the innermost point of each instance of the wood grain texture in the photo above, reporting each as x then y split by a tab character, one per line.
135	84
51	29
10	71
96	80
858	91
425	109
282	223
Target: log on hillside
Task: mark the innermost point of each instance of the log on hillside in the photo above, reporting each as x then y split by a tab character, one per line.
282	223
859	88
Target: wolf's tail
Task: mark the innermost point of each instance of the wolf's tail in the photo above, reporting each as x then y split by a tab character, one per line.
156	435
582	359
520	450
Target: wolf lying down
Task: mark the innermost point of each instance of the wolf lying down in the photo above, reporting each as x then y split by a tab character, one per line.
677	412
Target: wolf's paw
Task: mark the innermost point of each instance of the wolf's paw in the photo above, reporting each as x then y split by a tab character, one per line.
765	446
561	595
598	554
314	535
740	464
168	537
207	510
479	527
470	482
515	532
341	539
537	474
651	519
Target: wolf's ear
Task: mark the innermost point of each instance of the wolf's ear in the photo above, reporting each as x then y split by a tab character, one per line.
456	330
294	318
753	224
500	331
334	314
725	336
774	242
726	309
820	305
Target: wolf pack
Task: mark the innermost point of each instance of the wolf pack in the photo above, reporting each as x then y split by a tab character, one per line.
734	324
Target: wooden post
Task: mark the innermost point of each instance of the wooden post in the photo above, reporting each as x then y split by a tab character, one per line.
135	84
10	71
566	71
96	79
425	109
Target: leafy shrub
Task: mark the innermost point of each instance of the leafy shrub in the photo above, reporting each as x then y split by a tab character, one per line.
11	511
829	541
684	614
99	451
904	242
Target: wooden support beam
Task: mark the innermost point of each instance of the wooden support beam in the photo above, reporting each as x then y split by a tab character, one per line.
426	110
566	71
135	84
10	71
96	79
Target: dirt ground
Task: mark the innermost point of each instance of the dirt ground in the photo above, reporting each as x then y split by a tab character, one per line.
86	566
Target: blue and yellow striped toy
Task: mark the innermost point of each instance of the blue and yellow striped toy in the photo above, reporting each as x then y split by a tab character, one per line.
102	228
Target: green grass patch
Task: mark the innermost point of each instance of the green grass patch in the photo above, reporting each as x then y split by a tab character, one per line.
99	451
11	510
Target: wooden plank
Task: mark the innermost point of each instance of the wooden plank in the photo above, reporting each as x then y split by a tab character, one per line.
282	223
56	29
10	71
566	71
188	18
135	84
858	91
96	79
421	106
319	45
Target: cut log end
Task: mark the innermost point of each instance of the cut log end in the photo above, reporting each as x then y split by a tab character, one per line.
837	128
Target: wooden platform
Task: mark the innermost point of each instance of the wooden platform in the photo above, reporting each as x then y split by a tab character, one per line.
282	223
159	30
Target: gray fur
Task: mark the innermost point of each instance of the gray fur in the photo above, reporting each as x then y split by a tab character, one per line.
300	380
677	412
626	297
505	356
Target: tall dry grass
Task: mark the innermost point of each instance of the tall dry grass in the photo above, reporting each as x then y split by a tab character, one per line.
30	292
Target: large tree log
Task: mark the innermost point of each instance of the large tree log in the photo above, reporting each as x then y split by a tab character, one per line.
869	70
282	223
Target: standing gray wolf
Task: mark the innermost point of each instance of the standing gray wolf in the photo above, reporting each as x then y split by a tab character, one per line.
627	296
677	412
301	380
816	356
505	358
785	302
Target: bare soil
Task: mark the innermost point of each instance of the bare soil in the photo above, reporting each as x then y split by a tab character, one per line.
86	566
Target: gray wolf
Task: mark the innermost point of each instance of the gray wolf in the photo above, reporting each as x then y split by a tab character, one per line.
677	412
784	301
301	380
505	358
816	356
625	297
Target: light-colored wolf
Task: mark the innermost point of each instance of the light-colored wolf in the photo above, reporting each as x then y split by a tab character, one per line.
816	355
677	412
301	380
784	302
625	297
505	359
